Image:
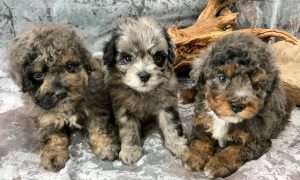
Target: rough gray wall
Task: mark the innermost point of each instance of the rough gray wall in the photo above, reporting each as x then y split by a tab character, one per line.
93	18
282	14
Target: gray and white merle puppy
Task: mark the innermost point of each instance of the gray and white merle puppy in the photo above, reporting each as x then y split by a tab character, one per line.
143	86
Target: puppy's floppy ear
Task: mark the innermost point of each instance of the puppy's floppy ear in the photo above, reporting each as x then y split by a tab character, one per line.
197	75
84	53
27	82
110	50
275	81
86	57
171	47
199	66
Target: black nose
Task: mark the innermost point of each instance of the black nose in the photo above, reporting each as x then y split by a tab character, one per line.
236	107
144	76
61	93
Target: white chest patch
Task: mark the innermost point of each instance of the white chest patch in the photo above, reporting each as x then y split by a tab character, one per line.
73	122
219	128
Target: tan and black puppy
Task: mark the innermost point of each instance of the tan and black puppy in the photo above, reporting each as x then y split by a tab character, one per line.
63	89
143	86
240	105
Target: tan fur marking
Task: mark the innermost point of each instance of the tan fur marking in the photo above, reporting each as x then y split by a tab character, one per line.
188	96
224	163
222	107
259	77
47	85
54	154
205	121
103	145
250	110
199	152
68	55
228	70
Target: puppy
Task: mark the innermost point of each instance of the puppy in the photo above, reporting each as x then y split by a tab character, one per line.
63	89
240	105
143	86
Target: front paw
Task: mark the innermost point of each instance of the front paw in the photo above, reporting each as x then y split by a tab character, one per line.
109	152
130	154
192	161
177	146
54	160
104	145
215	168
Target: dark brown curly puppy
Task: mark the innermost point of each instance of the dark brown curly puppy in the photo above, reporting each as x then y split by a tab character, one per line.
63	89
143	86
240	105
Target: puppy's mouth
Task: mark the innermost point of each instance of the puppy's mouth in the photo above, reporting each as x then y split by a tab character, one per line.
144	88
50	100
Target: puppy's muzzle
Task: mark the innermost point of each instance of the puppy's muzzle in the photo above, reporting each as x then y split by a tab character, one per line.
237	107
144	76
61	93
50	99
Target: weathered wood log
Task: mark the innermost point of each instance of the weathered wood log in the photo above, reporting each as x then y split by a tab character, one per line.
288	61
215	21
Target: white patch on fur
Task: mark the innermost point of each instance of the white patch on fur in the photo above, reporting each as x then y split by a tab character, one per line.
173	141
73	122
98	54
232	119
219	128
241	93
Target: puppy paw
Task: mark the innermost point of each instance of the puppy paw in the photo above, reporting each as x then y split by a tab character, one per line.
54	160
104	145
177	146
130	154
192	161
109	152
215	168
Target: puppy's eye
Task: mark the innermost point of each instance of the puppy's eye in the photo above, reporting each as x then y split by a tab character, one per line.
255	86
71	67
39	76
126	58
222	79
159	58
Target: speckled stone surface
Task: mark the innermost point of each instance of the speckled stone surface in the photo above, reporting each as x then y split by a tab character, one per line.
94	19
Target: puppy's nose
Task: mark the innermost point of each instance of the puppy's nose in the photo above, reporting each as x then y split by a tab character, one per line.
61	93
144	76
236	107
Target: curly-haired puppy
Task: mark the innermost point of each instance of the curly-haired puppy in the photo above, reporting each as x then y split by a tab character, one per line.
63	89
143	86
240	105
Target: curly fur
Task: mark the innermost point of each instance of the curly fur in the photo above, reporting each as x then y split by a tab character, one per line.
140	48
63	89
240	105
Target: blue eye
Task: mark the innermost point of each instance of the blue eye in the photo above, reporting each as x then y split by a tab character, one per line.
222	79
